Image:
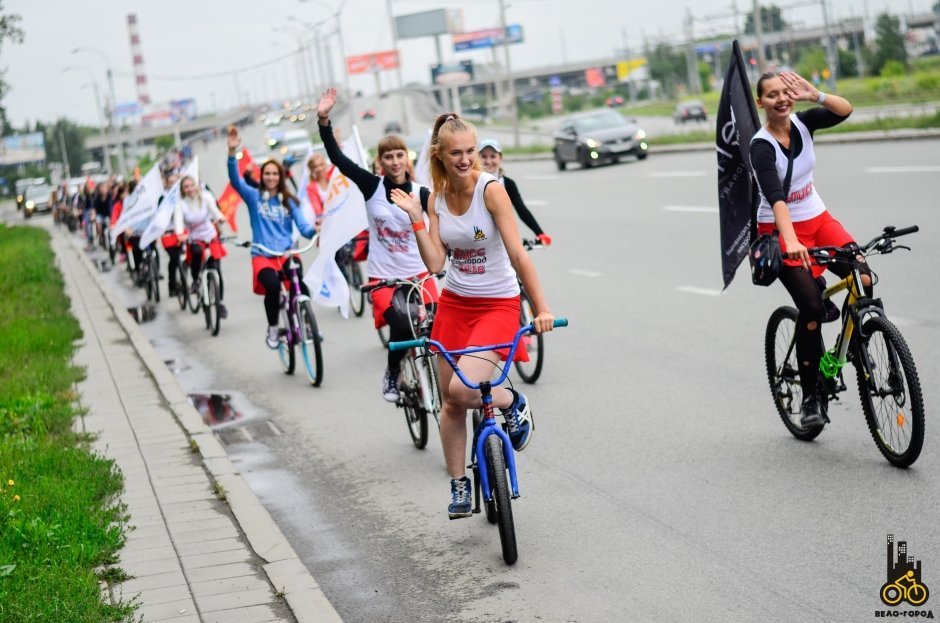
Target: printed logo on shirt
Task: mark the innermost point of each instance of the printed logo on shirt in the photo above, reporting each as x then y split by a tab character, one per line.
469	261
800	194
394	240
478	234
270	212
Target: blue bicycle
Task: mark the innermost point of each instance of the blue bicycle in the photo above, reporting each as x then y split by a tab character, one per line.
491	451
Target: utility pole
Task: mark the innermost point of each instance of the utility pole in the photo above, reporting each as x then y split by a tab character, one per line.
758	21
65	153
831	58
691	60
401	83
512	82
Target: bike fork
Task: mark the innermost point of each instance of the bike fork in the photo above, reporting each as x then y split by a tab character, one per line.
488	428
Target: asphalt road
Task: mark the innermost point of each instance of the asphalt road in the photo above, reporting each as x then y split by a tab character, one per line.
660	485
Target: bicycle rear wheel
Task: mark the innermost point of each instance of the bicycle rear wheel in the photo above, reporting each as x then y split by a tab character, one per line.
416	417
499	485
285	346
430	388
530	370
310	346
783	372
213	317
182	281
889	389
357	298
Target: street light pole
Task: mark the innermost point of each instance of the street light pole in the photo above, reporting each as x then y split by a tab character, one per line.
120	147
101	123
401	83
338	16
512	82
758	20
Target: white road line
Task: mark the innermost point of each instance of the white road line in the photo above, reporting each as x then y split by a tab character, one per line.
700	209
536	202
541	177
246	434
911	169
677	174
584	273
274	429
703	291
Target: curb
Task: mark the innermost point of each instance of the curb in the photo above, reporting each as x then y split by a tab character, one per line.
839	138
283	567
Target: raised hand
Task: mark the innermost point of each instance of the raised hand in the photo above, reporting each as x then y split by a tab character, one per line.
799	88
233	139
409	203
327	101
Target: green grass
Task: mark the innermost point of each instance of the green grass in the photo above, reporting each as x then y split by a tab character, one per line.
58	519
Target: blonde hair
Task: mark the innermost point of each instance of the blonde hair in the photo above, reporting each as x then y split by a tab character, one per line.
446	125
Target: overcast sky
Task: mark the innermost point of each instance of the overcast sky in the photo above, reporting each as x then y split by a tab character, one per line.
181	39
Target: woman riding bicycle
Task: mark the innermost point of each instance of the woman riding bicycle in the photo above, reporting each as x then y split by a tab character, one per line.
798	215
472	221
195	219
271	209
491	155
392	250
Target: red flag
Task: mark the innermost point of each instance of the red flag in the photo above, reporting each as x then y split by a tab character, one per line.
229	200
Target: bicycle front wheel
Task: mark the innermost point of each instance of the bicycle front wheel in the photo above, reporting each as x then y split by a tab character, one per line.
213	318
533	343
430	388
783	372
182	281
415	414
889	389
499	485
285	346
310	346
357	298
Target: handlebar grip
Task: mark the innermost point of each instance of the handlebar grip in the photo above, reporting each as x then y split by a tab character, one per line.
905	231
560	322
408	344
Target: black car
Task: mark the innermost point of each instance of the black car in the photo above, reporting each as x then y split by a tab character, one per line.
597	136
692	110
392	127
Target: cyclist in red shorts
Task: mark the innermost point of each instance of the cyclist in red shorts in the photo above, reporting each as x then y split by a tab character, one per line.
473	221
800	216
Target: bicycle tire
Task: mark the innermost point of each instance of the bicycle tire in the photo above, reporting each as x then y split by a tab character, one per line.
489	507
310	345
416	417
182	281
436	402
286	351
783	376
533	343
357	298
499	484
898	416
213	317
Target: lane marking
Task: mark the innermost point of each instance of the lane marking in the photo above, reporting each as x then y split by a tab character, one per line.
703	291
246	434
537	203
274	429
541	177
584	273
698	209
911	169
677	174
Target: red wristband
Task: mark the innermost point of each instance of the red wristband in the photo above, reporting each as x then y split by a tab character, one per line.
416	227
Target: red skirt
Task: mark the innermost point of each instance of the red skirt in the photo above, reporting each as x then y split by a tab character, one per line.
463	321
216	250
382	299
259	263
819	231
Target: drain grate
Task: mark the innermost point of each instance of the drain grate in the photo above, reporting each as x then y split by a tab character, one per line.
143	313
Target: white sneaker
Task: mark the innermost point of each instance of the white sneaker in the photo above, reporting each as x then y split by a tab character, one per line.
390	387
272	339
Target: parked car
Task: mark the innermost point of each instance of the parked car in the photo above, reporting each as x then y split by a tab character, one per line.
614	102
368	113
392	127
600	135
37	199
692	110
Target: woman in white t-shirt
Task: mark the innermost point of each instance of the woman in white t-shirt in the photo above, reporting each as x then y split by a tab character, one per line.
195	219
473	221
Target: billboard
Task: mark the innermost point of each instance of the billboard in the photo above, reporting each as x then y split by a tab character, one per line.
429	23
376	61
23	148
452	74
183	109
487	38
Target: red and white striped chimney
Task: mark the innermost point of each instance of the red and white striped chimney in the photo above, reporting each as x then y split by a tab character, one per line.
137	57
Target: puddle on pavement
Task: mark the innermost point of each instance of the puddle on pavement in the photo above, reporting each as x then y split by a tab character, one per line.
215	408
103	266
176	366
143	313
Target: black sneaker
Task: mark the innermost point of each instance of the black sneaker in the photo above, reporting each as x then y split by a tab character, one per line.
460	503
390	386
519	422
194	289
223	311
812	415
831	311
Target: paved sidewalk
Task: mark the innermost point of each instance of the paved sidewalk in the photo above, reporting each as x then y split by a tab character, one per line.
202	547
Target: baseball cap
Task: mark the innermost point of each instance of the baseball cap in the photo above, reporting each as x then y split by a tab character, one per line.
492	143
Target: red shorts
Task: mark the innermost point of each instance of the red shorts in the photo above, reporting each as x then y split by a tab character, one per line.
382	299
258	263
216	250
463	321
819	231
361	247
170	240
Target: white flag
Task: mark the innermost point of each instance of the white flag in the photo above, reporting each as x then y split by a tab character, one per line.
423	166
140	204
344	216
164	214
305	206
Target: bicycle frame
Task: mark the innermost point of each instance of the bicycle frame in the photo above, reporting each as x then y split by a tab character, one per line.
488	425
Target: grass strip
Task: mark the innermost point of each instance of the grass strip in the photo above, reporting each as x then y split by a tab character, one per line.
59	521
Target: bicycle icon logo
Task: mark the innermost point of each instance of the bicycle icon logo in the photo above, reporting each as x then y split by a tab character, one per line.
914	593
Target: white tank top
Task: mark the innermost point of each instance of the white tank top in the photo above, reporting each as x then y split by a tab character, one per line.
198	218
393	252
803	201
479	264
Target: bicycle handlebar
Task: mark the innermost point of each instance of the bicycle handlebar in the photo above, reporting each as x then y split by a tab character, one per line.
391	283
247	243
883	243
422	342
530	244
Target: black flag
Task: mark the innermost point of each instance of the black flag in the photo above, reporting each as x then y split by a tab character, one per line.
737	192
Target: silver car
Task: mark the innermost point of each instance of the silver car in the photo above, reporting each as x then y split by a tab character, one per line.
598	136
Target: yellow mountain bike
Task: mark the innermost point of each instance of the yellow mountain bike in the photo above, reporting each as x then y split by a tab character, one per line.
888	385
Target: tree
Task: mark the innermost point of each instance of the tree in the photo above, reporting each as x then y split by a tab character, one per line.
889	43
74	137
771	20
9	29
667	66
